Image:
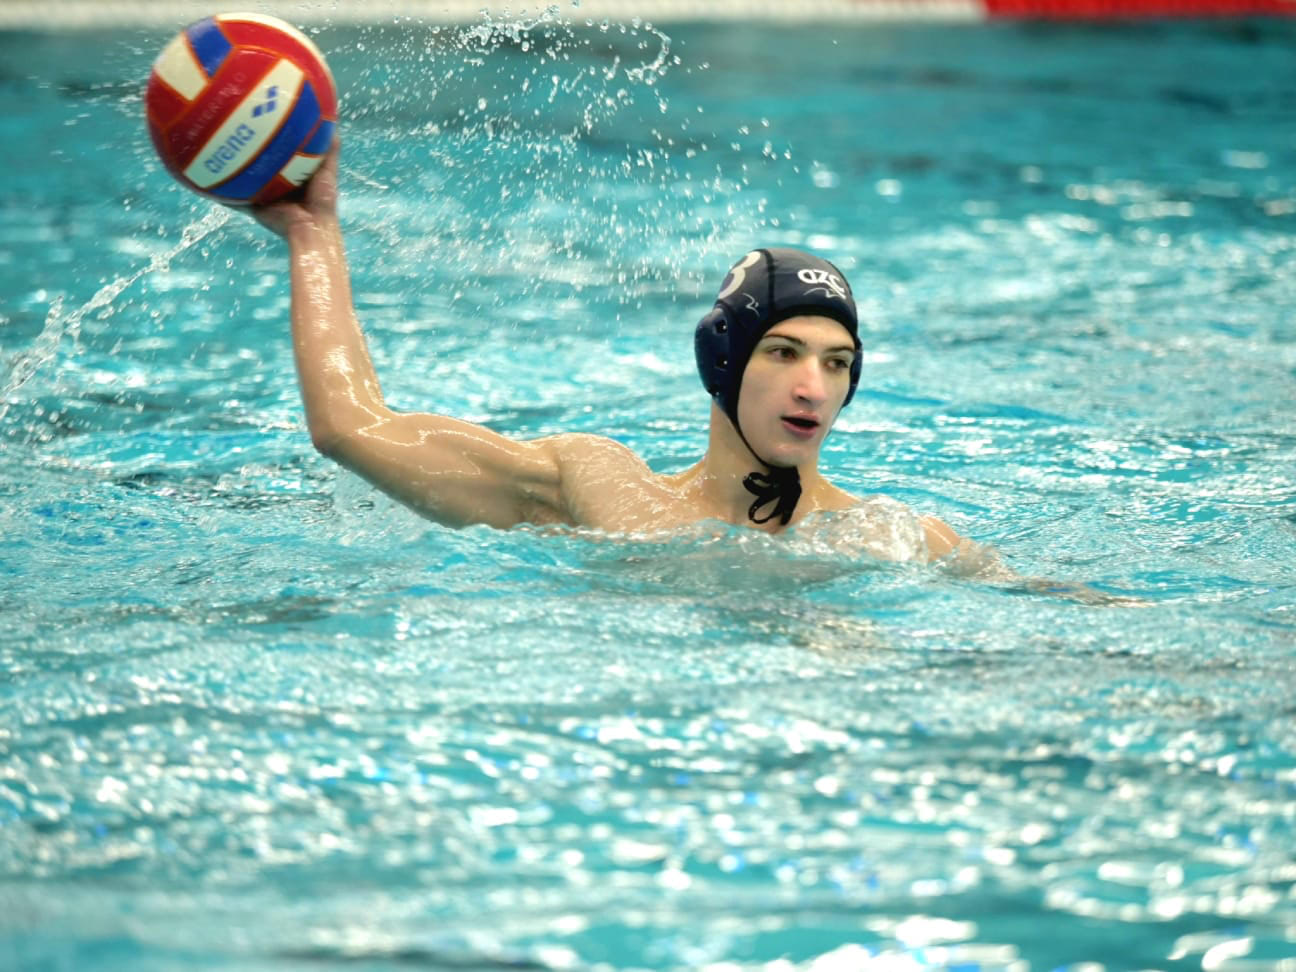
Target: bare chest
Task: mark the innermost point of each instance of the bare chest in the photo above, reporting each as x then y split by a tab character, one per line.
636	503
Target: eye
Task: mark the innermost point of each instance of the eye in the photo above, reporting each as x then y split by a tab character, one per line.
782	352
839	364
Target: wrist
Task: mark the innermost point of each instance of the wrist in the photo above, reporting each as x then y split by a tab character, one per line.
305	228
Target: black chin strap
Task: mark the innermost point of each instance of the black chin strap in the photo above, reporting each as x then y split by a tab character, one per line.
781	486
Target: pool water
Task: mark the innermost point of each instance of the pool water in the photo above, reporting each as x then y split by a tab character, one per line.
256	716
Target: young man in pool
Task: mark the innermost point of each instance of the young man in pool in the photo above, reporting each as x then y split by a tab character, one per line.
778	352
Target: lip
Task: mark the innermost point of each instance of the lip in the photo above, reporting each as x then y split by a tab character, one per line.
801	431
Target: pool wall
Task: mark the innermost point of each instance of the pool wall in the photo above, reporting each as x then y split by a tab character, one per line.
93	13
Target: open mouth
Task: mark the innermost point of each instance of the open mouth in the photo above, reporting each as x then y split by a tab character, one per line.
802	428
801	423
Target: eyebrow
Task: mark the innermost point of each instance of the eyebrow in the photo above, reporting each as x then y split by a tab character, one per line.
797	341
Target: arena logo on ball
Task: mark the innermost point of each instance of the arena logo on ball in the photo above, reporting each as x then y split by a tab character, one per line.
215	162
268	105
246	130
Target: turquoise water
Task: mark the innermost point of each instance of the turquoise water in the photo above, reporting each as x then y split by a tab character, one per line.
255	716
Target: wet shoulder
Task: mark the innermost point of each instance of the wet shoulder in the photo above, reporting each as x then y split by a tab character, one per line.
836	499
582	454
606	485
879	526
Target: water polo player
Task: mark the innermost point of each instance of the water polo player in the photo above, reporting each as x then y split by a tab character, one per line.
778	353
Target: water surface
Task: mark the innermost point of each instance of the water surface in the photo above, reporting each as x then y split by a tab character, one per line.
255	716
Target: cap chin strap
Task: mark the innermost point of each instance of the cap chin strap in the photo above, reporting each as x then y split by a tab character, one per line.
780	483
780	486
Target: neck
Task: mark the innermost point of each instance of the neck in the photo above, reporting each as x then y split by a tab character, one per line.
718	477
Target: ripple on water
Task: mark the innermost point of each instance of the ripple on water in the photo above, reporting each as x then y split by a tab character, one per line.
253	714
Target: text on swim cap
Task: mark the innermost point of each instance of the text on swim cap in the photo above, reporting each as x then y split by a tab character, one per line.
822	278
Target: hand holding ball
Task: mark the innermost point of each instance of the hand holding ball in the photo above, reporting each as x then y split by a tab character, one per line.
241	108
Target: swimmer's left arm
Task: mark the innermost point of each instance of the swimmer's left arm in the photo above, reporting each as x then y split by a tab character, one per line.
964	556
977	560
941	538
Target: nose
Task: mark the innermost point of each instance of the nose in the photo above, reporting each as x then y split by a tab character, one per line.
812	382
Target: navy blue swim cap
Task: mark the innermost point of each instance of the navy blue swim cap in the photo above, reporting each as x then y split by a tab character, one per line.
763	288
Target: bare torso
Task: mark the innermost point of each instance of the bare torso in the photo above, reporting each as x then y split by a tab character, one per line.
606	486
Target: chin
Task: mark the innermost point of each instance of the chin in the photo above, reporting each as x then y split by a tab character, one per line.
789	456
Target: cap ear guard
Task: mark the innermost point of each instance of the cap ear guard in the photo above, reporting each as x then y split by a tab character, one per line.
857	367
712	348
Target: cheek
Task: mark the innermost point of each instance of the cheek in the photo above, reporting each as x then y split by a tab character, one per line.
754	384
756	402
838	382
748	405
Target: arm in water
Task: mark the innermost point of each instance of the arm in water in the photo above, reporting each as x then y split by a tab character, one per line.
451	471
966	558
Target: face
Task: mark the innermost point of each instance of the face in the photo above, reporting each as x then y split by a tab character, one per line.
793	388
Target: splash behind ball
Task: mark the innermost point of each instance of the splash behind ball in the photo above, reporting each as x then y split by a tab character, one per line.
241	107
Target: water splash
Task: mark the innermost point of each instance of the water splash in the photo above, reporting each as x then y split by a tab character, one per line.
549	137
24	365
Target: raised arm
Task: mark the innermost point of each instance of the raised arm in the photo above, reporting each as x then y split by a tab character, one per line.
452	471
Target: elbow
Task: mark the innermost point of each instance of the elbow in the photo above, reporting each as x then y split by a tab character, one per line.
333	430
327	440
337	433
341	442
325	446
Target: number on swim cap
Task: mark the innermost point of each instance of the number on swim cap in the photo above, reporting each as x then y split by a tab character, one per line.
738	275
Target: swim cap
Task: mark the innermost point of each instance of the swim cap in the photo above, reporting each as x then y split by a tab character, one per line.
765	287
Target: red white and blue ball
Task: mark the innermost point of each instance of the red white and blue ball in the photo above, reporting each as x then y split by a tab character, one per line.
241	107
